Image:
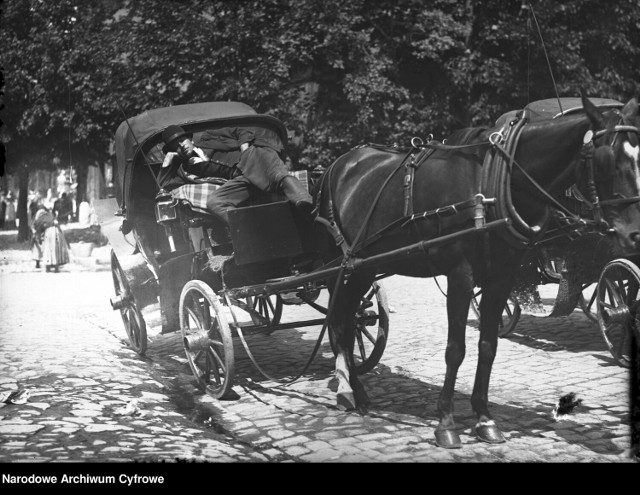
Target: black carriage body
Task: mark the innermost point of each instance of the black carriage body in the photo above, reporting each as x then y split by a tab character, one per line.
156	270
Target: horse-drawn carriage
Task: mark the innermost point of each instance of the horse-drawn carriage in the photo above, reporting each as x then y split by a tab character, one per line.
582	262
167	256
466	209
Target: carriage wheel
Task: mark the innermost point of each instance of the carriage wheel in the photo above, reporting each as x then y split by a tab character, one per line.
132	318
618	302
510	314
587	302
372	329
206	339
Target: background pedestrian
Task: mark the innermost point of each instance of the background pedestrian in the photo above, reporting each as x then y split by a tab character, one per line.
10	212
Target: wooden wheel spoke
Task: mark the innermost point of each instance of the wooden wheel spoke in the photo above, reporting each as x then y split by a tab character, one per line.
612	293
372	292
268	305
214	364
507	310
362	330
361	348
592	300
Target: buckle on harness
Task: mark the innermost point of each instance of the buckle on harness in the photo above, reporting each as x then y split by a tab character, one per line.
496	138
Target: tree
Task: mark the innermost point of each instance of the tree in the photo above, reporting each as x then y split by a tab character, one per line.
338	74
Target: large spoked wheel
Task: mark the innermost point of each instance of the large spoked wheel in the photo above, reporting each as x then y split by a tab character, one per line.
588	303
372	329
206	338
618	301
510	314
132	318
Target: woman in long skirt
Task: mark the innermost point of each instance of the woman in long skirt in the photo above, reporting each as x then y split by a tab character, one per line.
49	244
55	252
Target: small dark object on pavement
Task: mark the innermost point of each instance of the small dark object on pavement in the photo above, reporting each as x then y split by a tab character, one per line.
19	396
567	403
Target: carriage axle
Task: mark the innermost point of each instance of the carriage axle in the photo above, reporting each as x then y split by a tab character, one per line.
120	301
197	341
616	315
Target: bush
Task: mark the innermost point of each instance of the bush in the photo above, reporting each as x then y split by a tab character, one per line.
91	233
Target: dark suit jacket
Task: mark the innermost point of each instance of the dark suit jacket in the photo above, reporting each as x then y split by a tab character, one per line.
222	146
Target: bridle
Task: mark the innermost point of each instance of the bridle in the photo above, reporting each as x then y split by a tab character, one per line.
588	149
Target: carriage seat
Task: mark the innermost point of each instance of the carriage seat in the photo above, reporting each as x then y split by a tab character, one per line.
193	199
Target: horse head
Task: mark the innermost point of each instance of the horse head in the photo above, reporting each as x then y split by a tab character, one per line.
595	150
613	185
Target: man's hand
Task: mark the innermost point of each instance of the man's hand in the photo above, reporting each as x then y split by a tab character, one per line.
198	159
244	147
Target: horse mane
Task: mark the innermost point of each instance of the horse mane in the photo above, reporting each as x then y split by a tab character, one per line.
468	135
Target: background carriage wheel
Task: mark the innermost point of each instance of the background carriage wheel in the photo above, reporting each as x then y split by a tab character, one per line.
587	302
132	318
618	299
372	329
510	314
206	338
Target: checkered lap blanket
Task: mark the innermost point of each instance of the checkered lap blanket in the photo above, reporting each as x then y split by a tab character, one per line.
195	194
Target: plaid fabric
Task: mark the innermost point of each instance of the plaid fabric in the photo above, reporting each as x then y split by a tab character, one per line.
195	194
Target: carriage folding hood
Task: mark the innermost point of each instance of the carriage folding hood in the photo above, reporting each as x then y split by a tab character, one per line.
144	131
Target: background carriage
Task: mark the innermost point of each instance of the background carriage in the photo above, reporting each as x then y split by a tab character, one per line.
581	263
167	257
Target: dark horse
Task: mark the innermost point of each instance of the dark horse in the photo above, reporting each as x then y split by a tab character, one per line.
378	201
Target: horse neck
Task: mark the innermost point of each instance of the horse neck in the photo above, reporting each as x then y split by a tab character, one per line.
550	151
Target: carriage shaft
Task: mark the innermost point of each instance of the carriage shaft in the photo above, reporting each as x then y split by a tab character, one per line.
357	264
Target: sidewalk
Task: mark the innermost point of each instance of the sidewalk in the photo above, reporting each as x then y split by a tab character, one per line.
16	256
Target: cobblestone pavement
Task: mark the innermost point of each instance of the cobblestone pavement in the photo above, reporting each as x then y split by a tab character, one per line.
91	398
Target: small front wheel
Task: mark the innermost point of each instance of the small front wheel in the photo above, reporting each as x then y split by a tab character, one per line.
372	329
206	338
510	314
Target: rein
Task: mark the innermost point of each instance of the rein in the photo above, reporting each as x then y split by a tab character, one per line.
506	146
587	152
411	161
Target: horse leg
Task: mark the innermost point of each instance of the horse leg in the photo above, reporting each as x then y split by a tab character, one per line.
494	297
351	393
459	293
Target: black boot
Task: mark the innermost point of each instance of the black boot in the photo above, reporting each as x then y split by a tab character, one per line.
295	192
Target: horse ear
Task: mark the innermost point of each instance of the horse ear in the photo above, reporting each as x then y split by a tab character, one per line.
592	112
631	108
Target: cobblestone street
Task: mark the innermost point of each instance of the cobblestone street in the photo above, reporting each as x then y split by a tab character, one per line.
90	398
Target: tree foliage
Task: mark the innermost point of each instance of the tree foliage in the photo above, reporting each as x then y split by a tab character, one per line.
336	73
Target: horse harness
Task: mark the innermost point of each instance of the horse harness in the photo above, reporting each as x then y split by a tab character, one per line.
497	168
414	158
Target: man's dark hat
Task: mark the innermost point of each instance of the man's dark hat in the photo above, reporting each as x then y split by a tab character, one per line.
171	133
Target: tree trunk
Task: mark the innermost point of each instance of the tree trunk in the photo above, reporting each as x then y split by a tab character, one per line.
22	212
81	189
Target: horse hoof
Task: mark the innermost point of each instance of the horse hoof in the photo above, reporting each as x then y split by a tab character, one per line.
346	402
489	432
448	439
